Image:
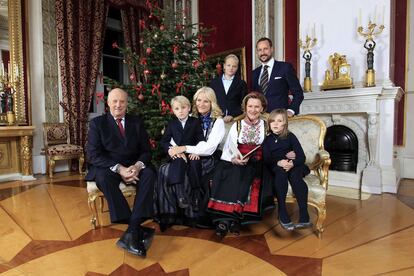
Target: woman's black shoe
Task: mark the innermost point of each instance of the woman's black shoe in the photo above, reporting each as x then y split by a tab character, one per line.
234	228
221	229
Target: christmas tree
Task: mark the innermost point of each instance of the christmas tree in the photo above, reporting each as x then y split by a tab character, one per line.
172	62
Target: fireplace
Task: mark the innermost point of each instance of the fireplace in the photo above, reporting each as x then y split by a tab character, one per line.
342	144
360	125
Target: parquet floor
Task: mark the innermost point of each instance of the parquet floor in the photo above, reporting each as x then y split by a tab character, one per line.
45	230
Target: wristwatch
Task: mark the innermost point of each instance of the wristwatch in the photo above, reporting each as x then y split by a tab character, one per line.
140	163
116	168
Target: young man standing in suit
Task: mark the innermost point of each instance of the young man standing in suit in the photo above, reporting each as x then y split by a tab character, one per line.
229	88
275	79
118	149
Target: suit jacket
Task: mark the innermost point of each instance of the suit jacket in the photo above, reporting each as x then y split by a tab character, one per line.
282	80
106	146
232	101
190	135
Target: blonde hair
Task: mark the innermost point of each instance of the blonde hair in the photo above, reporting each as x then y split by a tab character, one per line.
254	95
182	100
233	56
211	96
272	117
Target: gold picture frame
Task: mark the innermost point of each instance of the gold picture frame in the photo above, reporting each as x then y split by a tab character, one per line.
21	99
218	58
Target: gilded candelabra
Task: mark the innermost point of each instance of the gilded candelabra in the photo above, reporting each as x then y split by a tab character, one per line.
370	32
306	46
8	82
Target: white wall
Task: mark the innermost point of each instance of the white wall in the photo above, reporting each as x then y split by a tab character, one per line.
335	24
407	152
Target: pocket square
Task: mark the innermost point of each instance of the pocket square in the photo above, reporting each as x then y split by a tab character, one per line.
278	78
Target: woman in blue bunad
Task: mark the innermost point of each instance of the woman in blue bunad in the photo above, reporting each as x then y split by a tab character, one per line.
205	107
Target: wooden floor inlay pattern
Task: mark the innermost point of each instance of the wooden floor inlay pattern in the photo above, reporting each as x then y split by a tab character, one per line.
46	230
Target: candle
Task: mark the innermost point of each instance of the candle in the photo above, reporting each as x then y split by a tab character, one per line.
359	18
383	13
375	14
313	31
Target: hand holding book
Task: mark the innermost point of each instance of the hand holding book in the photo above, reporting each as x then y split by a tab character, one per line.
237	154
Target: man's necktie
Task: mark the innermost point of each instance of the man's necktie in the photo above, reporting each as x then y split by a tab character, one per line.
264	80
121	127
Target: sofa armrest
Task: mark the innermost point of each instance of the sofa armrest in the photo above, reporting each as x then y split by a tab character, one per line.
321	167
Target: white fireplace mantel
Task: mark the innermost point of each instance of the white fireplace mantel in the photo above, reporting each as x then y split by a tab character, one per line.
368	111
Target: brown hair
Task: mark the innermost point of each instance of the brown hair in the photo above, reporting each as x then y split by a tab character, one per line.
254	95
265	39
272	116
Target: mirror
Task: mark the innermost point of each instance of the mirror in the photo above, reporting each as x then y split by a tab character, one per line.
11	15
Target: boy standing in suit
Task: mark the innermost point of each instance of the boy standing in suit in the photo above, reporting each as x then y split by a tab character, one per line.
275	79
183	130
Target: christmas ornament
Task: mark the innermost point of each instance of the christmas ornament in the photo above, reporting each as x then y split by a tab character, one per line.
196	63
141	97
148	50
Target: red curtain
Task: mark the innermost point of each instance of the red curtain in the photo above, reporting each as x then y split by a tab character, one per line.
80	35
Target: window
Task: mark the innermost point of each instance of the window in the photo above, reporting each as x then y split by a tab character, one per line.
112	64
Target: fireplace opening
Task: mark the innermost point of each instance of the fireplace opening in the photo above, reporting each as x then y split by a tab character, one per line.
342	144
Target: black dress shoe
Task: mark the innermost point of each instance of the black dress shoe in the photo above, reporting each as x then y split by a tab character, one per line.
183	203
234	228
221	229
131	242
204	222
147	236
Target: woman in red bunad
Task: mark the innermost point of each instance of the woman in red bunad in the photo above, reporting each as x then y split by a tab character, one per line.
236	192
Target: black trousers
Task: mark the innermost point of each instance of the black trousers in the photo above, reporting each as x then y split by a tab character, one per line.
108	182
299	188
178	169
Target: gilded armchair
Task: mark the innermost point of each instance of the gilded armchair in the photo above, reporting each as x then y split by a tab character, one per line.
95	194
310	131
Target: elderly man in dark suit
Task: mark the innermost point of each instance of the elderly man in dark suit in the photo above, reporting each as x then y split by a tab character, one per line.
275	79
118	149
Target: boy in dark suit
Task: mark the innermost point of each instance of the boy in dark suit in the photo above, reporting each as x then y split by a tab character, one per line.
229	88
183	130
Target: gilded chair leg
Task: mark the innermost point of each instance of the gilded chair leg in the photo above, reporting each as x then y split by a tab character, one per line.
92	207
81	161
47	165
321	219
51	167
101	203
